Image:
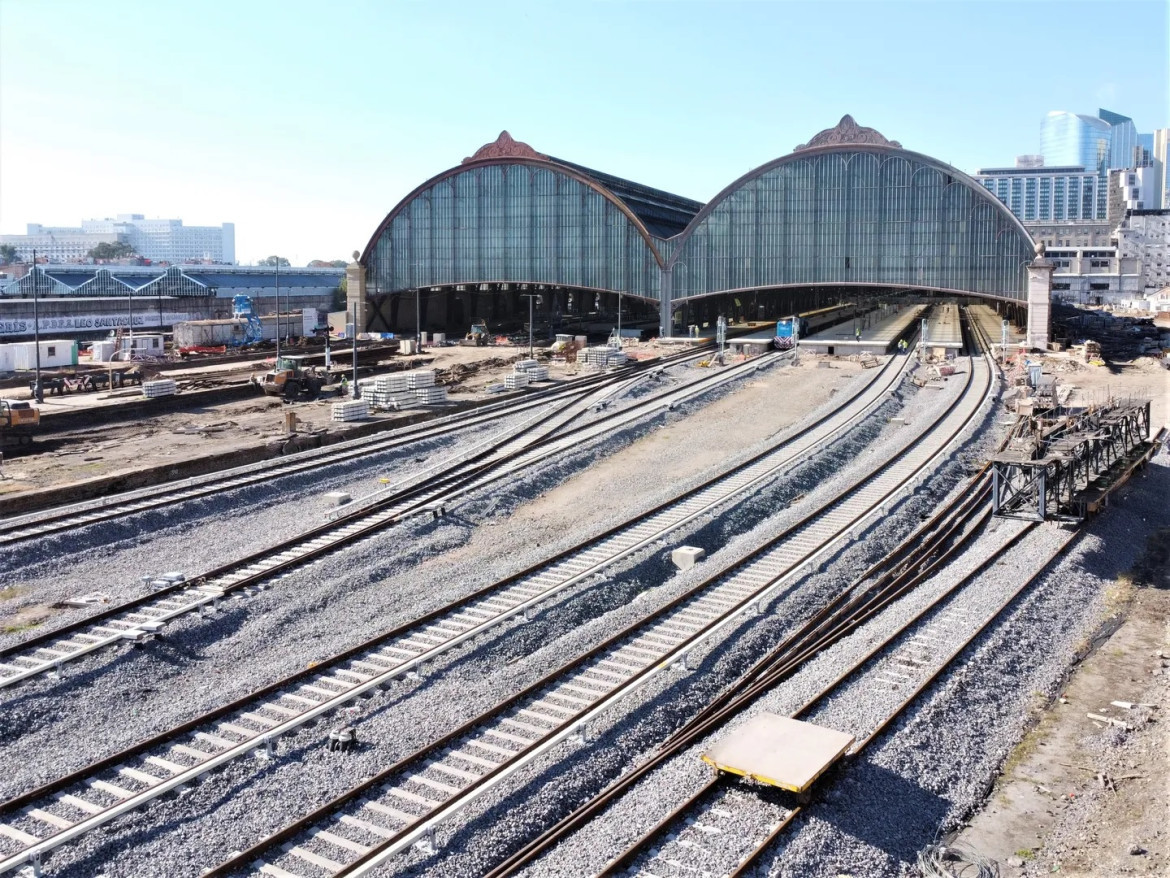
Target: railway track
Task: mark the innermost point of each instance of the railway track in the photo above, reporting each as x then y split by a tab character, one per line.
405	804
895	671
256	722
141	619
705	833
59	519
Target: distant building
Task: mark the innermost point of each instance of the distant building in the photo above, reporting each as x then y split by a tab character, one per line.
1131	189
1096	143
1144	236
1046	194
1094	276
57	244
1159	150
1072	234
159	240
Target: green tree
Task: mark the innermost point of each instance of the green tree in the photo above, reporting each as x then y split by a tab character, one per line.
339	296
107	250
7	253
328	263
273	261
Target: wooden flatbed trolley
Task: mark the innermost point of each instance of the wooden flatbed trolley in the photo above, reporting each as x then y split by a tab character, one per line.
779	751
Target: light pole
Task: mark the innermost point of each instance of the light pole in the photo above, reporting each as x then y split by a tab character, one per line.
38	390
530	297
278	311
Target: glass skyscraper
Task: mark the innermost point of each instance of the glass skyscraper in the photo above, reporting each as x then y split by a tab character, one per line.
1075	140
1095	143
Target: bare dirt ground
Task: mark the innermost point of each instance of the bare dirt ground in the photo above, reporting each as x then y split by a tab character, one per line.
126	446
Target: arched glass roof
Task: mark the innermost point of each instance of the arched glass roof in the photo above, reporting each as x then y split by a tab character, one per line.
511	215
863	214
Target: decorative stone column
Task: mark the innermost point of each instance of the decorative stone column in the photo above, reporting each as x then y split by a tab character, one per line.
355	292
1039	299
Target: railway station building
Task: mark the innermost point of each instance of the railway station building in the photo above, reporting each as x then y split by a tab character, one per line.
848	215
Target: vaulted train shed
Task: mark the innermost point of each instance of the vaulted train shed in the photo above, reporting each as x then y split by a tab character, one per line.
848	214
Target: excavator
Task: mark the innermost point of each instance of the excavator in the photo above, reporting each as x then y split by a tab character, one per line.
291	379
19	421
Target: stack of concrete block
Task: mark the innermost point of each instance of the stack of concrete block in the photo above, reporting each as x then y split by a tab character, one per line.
387	391
516	380
351	410
602	357
532	369
417	378
430	395
162	387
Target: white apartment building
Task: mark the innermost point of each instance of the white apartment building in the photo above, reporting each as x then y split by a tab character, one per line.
160	240
168	240
1144	236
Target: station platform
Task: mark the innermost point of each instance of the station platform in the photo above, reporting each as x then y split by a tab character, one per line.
779	751
880	329
943	330
992	325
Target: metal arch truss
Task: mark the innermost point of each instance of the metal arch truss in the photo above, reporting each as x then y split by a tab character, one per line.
1049	475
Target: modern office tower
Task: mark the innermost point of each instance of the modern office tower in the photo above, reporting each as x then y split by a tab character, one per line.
1160	141
1123	138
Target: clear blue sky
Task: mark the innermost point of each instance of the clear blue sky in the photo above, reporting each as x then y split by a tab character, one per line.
304	123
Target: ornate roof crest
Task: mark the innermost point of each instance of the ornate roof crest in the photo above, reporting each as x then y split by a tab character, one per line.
848	131
505	147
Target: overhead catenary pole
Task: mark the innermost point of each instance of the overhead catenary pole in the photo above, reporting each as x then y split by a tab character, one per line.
38	390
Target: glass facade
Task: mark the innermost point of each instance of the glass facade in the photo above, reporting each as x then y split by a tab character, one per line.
515	222
1069	139
861	214
1065	194
853	215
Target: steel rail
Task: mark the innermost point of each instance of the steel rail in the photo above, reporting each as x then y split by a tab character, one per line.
141	618
894	571
742	698
750	862
64	517
370	667
648	652
474	614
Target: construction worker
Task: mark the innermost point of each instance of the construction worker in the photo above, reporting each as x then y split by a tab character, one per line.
344	386
857	333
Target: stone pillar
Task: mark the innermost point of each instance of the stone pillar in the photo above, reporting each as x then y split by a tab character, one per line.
1039	300
665	320
355	292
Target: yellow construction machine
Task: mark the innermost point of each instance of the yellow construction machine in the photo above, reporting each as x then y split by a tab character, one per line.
291	379
19	421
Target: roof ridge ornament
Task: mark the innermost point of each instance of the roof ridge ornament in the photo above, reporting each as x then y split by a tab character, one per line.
848	131
504	147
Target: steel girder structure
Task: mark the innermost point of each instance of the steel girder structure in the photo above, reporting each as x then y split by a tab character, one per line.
1045	478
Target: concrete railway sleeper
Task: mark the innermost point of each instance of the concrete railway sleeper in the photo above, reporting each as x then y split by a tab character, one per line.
787	658
568	701
47	652
253	723
62	518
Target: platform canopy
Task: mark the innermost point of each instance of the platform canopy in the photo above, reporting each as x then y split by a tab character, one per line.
779	751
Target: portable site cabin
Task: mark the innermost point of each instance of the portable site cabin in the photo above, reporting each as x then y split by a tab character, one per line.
145	345
23	354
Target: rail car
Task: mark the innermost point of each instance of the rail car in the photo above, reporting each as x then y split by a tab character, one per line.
788	331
